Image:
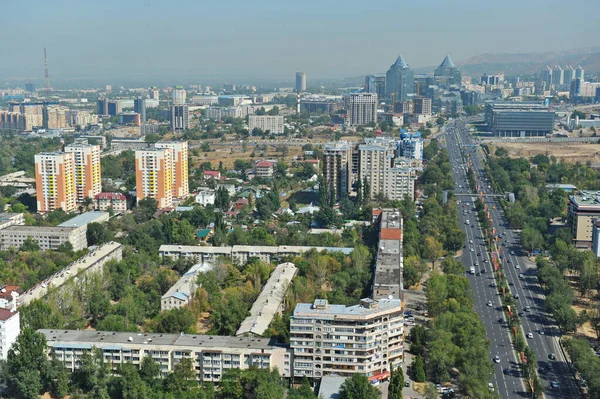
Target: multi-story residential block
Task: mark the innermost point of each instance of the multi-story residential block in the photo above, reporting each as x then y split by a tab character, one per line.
267	123
361	109
154	175
365	339
8	219
87	170
183	291
180	117
337	168
375	157
179	155
55	181
264	169
54	117
10	328
115	201
389	265
178	96
410	145
46	237
211	355
583	209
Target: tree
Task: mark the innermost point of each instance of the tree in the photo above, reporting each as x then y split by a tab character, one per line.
175	321
451	265
396	384
183	377
98	233
358	387
29	245
432	249
25	363
57	378
418	369
532	238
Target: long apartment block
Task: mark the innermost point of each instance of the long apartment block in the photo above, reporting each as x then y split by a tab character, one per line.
212	355
365	339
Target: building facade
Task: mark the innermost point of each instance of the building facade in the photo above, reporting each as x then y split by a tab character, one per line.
46	237
422	106
337	168
179	155
519	119
447	74
154	175
139	106
365	339
55	181
266	123
10	328
361	109
180	117
178	96
583	210
115	201
400	81
87	170
300	81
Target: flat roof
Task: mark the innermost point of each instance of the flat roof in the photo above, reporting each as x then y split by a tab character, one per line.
115	339
330	387
85	218
333	311
586	198
39	229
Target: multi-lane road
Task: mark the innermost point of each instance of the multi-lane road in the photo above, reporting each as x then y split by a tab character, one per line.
521	275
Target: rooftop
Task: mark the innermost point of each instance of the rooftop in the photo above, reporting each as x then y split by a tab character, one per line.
85	218
111	196
6	314
91	339
586	198
330	387
367	308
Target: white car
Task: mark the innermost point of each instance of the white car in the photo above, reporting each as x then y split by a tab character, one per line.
497	359
490	304
529	335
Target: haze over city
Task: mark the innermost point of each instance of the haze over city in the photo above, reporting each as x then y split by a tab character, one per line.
268	40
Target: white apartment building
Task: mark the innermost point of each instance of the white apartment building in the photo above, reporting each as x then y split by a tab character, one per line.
178	96
337	168
10	328
361	109
115	201
179	154
183	291
365	339
55	181
212	355
154	175
266	123
87	170
47	237
374	160
398	183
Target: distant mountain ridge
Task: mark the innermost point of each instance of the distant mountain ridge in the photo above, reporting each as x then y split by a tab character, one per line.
531	63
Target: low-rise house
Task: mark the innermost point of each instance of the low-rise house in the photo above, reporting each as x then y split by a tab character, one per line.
204	235
116	201
205	196
264	169
212	174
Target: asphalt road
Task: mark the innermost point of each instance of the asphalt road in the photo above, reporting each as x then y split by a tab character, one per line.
534	320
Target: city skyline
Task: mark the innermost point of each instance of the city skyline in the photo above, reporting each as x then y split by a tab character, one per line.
306	39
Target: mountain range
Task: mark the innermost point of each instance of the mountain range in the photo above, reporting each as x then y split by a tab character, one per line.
529	63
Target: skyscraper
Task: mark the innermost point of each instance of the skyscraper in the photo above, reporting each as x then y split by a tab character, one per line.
558	75
380	87
139	106
179	155
87	170
546	76
370	84
154	175
180	117
361	109
579	73
400	80
569	75
178	96
55	181
447	74
102	106
300	81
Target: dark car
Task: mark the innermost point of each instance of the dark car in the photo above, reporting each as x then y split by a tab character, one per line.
552	356
506	371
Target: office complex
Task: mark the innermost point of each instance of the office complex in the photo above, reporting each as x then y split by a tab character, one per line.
365	339
389	264
369	86
115	108
583	210
361	109
178	96
180	117
267	123
400	81
179	155
519	119
154	175
447	74
102	106
337	168
55	181
300	81
87	170
212	355
422	106
139	106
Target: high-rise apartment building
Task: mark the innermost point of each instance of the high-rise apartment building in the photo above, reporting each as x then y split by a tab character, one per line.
546	76
558	75
400	80
300	81
422	106
87	170
361	109
579	73
569	75
180	117
154	175
337	168
154	93
178	96
365	339
54	117
139	106
375	157
55	181
179	155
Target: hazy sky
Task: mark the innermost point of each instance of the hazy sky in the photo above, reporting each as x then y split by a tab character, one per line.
275	38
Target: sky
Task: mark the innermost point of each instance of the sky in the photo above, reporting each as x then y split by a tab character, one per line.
235	40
